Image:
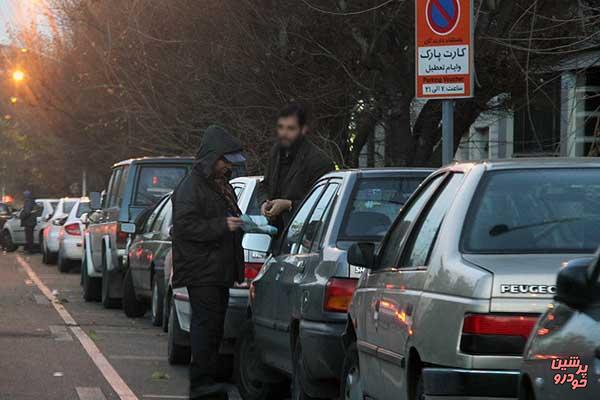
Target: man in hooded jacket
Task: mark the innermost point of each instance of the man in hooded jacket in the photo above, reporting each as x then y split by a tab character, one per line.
207	252
28	220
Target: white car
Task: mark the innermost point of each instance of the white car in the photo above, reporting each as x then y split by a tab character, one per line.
49	236
13	234
70	238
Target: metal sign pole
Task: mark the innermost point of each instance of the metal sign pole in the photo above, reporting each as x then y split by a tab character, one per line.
447	131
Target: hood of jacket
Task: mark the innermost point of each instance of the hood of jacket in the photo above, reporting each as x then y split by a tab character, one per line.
216	142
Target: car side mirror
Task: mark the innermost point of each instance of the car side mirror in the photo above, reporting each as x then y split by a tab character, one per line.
260	242
574	286
95	200
84	219
362	255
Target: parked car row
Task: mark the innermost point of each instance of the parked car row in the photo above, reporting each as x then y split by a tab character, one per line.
13	234
386	283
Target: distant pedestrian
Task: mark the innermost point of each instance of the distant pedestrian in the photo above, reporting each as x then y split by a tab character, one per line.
28	220
207	252
295	163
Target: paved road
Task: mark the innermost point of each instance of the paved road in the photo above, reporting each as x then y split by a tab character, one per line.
68	349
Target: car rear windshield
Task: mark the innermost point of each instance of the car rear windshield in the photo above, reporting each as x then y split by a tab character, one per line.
156	181
68	206
374	205
535	211
83	208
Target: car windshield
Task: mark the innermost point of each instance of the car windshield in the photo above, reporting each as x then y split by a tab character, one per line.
535	211
154	182
374	205
82	209
68	206
254	204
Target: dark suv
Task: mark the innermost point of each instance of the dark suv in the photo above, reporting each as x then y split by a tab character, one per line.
300	297
134	185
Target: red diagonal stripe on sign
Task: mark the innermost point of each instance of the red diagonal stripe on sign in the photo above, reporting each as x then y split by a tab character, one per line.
443	11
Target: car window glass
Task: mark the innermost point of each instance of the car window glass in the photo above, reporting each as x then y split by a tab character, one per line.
68	206
374	206
391	247
425	233
238	189
121	187
83	208
160	219
152	217
156	181
254	204
3	208
314	225
541	211
293	234
112	193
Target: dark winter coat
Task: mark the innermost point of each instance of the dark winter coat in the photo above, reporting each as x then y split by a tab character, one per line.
308	165
205	252
28	214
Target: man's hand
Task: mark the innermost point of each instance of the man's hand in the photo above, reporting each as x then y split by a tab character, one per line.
266	206
234	223
277	207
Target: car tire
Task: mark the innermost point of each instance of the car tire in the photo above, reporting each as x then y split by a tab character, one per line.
166	310
298	375
350	381
158	295
64	264
107	301
177	354
92	287
8	243
132	307
246	362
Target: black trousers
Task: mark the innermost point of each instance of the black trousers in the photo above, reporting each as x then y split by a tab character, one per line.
29	239
209	306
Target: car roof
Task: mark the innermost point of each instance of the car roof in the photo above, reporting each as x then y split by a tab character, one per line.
527	163
380	172
247	178
161	159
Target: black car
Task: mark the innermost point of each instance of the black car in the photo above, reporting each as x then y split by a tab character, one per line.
5	213
562	356
144	279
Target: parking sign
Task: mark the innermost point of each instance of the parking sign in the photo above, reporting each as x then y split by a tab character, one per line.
444	49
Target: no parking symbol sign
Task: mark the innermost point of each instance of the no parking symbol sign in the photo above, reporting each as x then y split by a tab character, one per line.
444	49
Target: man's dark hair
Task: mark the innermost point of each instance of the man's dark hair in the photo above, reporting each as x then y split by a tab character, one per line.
294	109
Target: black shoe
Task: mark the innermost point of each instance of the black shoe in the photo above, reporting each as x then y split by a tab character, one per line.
212	391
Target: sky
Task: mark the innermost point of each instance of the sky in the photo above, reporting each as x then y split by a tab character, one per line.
17	13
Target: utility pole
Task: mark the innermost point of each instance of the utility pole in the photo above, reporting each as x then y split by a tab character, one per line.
447	131
84	183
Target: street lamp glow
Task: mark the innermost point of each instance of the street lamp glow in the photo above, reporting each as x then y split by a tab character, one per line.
13	99
18	75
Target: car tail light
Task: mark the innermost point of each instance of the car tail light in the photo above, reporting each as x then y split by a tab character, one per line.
122	239
499	334
73	229
251	270
338	294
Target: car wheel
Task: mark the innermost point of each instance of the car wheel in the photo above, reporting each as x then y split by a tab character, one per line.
158	296
177	354
166	310
351	380
64	265
8	243
107	301
92	287
131	305
245	366
298	375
